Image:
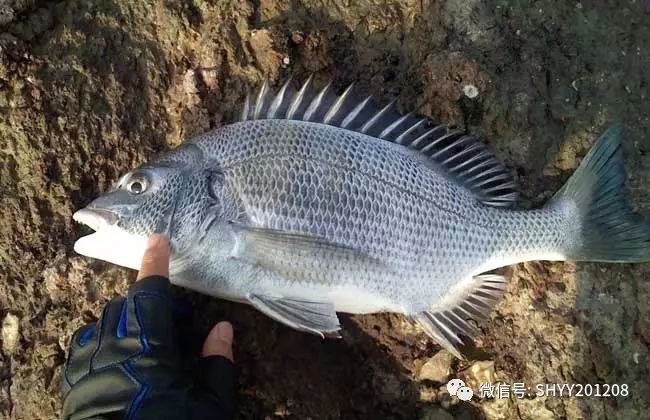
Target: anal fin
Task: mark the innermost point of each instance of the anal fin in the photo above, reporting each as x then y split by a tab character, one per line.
447	322
316	317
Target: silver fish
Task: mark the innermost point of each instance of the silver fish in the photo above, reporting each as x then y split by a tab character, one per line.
315	203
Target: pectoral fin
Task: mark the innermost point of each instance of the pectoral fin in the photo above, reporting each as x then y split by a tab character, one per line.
302	257
316	317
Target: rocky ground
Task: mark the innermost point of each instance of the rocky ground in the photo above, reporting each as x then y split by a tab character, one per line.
91	88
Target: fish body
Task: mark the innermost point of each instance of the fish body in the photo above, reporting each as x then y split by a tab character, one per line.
425	231
315	204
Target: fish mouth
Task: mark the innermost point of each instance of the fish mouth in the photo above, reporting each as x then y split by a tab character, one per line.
109	242
96	219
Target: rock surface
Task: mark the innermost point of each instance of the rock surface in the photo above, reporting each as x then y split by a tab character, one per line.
91	88
10	333
437	368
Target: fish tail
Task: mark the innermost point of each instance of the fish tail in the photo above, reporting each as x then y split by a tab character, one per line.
608	230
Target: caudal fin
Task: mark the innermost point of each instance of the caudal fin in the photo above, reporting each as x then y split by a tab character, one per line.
609	230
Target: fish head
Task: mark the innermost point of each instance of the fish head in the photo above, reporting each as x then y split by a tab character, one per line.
166	196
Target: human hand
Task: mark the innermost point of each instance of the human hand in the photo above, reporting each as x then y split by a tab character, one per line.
128	365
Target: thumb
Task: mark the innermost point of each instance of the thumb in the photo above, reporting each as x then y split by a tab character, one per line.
219	341
217	379
155	261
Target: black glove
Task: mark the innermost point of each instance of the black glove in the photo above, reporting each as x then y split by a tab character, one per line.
128	366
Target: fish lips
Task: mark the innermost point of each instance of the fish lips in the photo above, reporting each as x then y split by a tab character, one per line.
109	242
96	219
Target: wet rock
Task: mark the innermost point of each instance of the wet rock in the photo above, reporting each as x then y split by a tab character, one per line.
470	91
297	37
479	373
11	9
499	409
534	410
644	312
10	333
263	49
437	368
435	413
428	393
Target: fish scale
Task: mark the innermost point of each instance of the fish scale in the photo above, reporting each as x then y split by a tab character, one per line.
392	213
316	203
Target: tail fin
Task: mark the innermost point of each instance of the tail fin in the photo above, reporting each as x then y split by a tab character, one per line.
610	230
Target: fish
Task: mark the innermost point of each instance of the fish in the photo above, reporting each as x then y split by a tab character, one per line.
317	202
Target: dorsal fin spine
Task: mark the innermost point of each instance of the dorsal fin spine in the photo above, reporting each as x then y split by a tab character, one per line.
355	112
259	104
338	104
400	139
394	125
316	102
372	121
446	329
488	163
467	328
279	98
455	143
463	157
459	155
471	169
465	311
501	176
489	171
436	142
442	139
247	107
478	306
297	101
415	143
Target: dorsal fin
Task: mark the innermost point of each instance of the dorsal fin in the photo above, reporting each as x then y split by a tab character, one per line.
462	157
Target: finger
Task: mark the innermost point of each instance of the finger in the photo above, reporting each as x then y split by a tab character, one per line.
219	341
155	261
149	310
216	383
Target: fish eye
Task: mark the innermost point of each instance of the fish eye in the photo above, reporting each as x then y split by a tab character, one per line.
137	184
